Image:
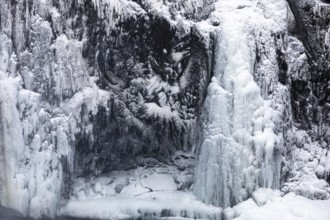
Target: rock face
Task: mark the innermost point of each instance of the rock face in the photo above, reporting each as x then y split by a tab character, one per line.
94	87
89	87
310	82
308	79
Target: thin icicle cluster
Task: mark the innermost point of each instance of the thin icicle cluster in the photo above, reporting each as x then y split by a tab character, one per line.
113	11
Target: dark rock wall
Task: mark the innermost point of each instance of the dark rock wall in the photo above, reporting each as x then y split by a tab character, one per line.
308	79
128	59
311	91
134	52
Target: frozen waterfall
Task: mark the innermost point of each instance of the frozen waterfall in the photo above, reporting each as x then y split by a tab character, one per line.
240	150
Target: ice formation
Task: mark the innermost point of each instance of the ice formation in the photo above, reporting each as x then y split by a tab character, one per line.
120	108
240	150
38	124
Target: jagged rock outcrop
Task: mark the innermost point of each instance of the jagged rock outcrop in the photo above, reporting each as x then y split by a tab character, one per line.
308	76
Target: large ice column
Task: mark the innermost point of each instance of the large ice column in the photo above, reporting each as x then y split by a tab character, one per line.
11	137
240	150
30	167
11	147
41	111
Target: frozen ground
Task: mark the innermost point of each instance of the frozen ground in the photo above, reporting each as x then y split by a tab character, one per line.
151	192
151	205
151	176
288	207
265	205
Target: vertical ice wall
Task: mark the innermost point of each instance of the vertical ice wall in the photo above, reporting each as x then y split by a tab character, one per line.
11	145
43	89
31	146
240	150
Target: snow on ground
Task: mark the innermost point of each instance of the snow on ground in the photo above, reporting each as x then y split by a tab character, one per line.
153	177
158	181
288	207
150	205
266	204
